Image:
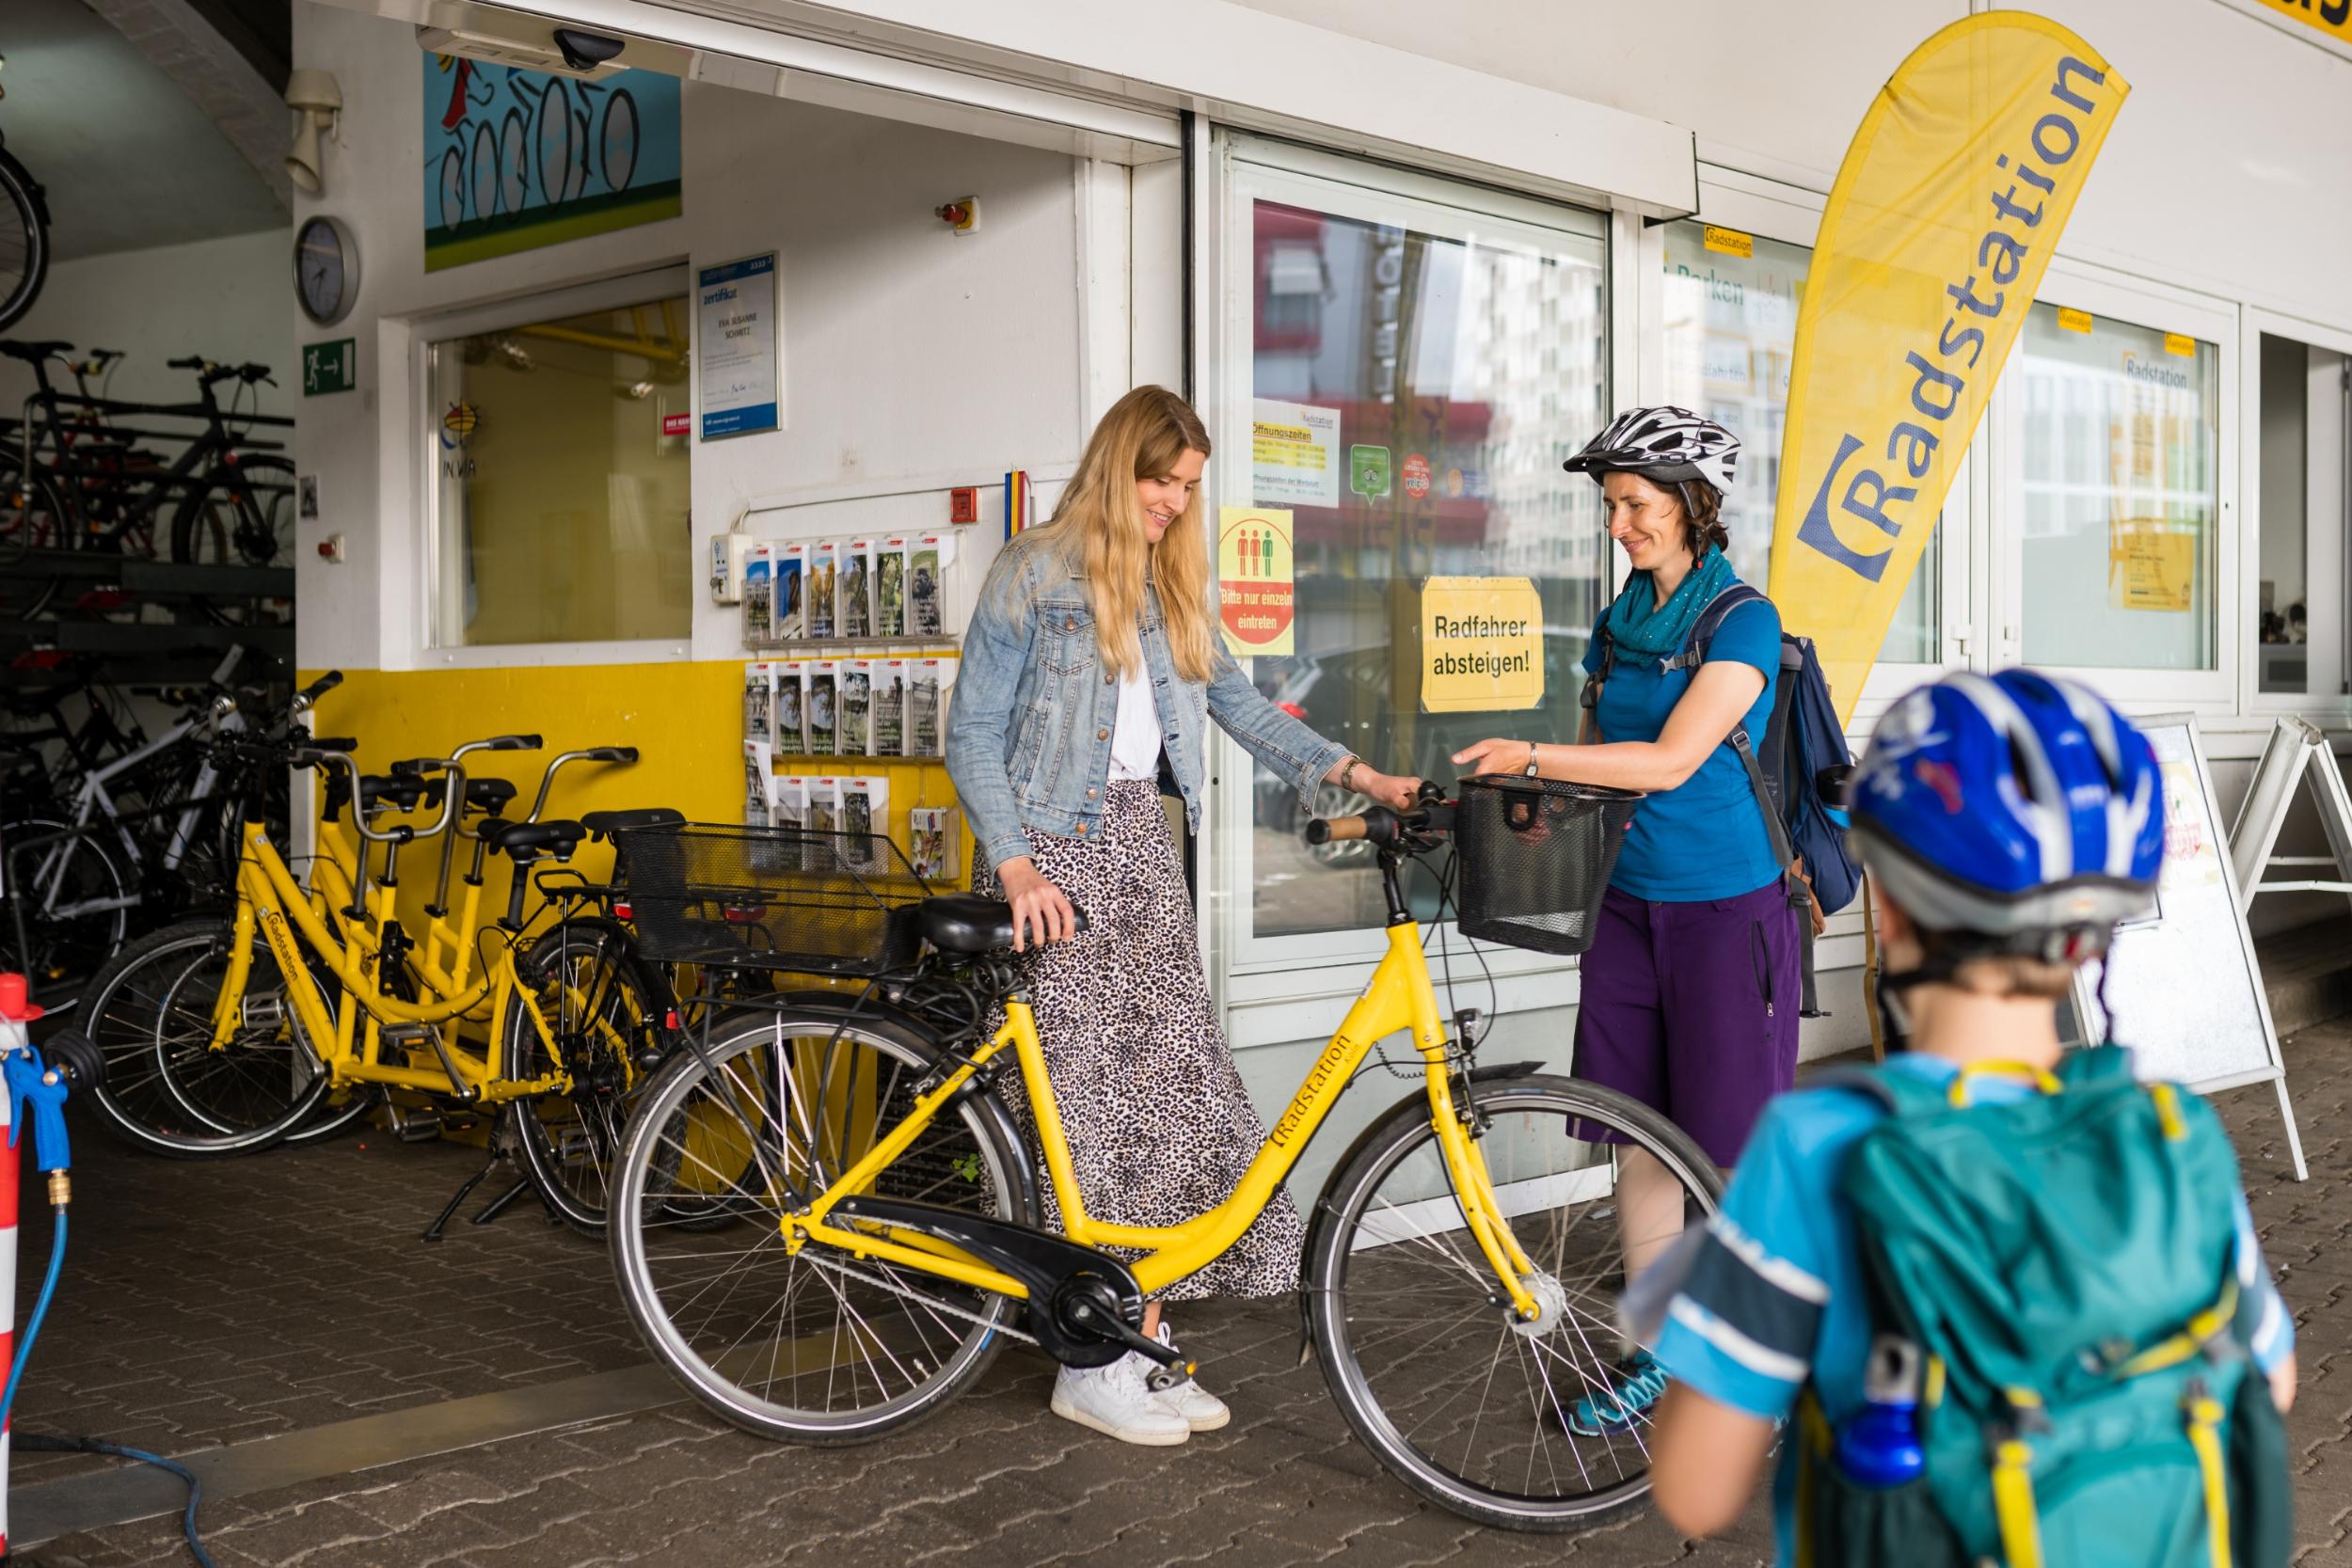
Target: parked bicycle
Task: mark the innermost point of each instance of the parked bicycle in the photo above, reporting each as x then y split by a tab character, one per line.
73	476
152	832
228	1035
827	1223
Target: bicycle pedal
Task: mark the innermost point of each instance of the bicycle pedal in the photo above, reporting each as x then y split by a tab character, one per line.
416	1127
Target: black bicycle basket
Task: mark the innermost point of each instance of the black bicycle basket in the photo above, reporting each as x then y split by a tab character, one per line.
783	899
1532	858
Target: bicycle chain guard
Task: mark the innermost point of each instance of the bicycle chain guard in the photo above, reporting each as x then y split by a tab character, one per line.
1078	1297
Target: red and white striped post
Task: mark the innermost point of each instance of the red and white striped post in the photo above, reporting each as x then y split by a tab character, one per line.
15	1014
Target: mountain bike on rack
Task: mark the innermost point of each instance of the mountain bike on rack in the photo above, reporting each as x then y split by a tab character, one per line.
826	1224
210	1049
69	478
85	866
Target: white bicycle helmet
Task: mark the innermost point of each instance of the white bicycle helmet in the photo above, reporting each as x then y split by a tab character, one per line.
1665	444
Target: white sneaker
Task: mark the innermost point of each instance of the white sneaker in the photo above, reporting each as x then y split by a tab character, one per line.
1113	1401
1202	1410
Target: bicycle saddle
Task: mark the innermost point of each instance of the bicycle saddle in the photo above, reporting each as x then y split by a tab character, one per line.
391	790
604	824
492	795
524	842
966	923
32	354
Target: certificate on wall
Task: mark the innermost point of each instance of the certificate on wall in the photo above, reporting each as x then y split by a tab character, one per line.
735	348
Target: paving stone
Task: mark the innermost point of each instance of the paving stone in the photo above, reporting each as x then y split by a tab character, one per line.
210	1303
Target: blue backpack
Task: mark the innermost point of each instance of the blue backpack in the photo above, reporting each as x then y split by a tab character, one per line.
1799	773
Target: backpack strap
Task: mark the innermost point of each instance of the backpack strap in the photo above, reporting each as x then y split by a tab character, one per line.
1710	621
1590	698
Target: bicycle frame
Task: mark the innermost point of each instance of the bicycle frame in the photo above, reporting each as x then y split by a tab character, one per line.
272	903
93	798
1399	997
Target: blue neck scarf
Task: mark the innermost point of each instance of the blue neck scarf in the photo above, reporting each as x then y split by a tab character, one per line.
1639	624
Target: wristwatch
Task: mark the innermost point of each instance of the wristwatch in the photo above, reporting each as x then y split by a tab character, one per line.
1531	759
1347	774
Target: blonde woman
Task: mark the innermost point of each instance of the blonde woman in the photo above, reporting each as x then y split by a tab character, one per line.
1090	675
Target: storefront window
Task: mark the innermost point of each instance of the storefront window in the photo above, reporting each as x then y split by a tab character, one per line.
1730	324
2120	437
1416	384
560	464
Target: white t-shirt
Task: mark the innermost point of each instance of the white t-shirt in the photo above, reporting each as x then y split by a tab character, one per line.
1135	733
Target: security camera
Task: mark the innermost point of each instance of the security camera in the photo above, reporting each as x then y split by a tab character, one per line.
313	95
585	51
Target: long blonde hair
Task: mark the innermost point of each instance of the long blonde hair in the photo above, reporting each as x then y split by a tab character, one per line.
1099	528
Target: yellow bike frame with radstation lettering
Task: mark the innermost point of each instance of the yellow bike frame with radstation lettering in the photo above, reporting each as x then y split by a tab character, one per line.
288	917
1399	997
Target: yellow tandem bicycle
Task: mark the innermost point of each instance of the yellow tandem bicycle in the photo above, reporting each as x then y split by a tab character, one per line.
878	1233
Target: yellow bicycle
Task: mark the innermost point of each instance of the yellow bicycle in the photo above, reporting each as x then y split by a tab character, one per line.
1459	1277
209	1048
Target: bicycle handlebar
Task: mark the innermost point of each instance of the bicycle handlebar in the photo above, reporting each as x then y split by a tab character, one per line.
1431	814
593	753
193	362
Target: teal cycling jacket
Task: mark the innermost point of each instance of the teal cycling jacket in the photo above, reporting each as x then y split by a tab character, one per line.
1029	725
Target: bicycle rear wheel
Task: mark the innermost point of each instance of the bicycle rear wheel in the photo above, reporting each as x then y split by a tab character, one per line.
1471	1408
815	1347
242	515
604	1017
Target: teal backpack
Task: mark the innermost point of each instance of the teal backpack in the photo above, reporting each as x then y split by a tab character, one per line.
2065	1265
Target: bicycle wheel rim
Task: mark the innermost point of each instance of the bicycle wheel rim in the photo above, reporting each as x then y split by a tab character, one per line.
23	244
1467	1408
69	942
807	1346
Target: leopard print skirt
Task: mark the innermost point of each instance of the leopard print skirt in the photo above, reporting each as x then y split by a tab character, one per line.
1160	1128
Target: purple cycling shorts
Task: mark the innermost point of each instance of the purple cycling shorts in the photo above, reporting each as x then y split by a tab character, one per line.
1692	1009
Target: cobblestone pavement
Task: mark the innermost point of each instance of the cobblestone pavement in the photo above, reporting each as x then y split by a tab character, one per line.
211	1304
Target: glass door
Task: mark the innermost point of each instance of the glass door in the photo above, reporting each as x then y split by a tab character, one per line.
1404	363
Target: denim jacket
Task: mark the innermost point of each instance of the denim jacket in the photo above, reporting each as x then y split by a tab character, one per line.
1029	726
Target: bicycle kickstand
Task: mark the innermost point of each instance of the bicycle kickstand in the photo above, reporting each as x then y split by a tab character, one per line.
434	1232
505	1200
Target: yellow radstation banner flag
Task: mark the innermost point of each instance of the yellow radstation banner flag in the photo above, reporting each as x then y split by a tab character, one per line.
1936	235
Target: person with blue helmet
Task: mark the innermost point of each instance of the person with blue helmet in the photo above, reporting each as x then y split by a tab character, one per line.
2010	822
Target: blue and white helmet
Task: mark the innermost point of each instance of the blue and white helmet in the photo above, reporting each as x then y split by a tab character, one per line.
2018	807
1666	444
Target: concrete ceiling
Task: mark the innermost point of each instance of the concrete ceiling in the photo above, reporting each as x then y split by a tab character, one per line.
136	153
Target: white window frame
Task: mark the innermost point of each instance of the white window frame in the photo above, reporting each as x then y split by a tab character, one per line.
1249	968
1773	211
2333	710
541	305
2118	296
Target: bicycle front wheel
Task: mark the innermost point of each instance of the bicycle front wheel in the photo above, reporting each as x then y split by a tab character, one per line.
76	906
163	1088
816	1346
1528	1426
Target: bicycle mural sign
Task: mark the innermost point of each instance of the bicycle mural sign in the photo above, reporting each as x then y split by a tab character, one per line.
519	159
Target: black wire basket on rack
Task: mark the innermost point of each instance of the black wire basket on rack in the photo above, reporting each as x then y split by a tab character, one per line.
1532	858
780	898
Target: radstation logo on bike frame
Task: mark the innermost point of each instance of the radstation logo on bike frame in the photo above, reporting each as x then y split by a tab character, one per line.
518	159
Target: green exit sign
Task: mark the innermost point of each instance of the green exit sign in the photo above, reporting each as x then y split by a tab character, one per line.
328	368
